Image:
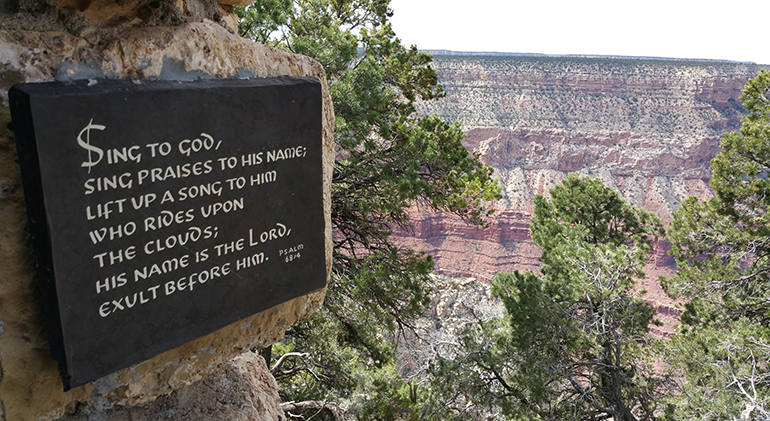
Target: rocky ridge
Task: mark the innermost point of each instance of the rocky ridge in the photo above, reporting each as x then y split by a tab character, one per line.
648	128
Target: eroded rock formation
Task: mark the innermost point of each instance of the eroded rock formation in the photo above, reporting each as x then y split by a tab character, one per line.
647	128
456	304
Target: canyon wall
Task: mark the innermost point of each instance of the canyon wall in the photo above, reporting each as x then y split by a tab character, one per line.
648	128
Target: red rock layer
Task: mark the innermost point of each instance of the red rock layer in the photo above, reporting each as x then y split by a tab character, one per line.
648	129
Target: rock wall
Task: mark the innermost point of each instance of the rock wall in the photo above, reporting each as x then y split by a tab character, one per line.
92	39
647	128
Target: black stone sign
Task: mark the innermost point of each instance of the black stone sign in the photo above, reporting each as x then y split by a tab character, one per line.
162	211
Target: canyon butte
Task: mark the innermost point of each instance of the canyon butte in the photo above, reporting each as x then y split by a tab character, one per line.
646	127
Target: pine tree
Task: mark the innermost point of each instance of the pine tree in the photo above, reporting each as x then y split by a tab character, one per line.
388	160
722	251
573	341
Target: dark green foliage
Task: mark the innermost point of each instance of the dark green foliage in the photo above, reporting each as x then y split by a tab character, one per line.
475	381
599	212
388	160
572	343
262	18
722	250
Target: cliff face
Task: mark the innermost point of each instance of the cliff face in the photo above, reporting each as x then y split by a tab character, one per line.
647	128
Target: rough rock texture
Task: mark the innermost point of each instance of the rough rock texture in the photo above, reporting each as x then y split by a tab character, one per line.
77	16
30	387
241	389
455	305
647	128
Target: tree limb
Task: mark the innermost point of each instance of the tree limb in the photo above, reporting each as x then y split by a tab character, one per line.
283	358
332	407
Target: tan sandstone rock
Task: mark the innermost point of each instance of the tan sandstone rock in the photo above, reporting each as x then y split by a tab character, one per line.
240	389
30	387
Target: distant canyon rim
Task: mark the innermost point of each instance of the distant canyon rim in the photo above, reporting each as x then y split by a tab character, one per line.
648	128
